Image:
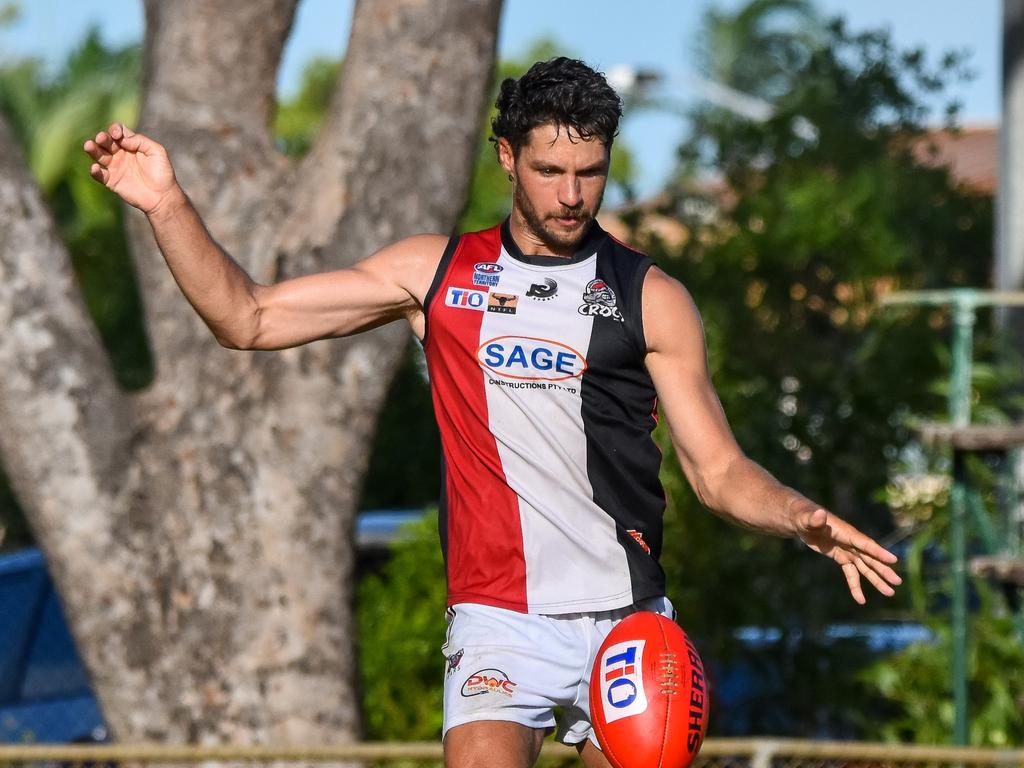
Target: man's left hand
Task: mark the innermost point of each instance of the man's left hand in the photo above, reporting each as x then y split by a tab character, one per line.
858	555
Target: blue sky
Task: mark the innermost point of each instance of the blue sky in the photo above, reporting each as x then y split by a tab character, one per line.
650	33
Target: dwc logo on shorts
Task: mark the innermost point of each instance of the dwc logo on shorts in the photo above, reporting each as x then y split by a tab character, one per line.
488	681
622	682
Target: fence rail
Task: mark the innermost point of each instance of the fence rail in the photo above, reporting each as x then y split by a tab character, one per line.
716	753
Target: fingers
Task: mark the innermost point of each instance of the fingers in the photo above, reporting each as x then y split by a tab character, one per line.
879	575
876	580
108	142
853	582
882	570
99	173
129	139
866	544
846	535
97	153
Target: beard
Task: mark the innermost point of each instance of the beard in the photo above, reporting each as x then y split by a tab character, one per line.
545	230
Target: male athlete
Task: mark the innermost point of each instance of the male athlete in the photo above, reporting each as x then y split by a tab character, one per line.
548	345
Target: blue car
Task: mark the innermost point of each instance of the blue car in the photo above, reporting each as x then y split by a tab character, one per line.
44	690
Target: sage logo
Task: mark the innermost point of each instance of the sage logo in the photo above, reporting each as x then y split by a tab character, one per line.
525	357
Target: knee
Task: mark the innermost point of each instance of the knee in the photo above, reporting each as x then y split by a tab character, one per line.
492	744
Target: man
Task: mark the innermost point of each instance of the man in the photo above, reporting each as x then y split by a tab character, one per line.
549	344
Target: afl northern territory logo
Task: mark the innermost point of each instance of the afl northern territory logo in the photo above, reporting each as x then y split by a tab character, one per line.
524	357
599	300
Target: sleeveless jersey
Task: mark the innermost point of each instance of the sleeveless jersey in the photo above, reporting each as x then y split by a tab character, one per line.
551	501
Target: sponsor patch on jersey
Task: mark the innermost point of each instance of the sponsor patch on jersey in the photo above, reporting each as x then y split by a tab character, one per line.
487	273
525	357
503	303
466	298
639	538
488	681
622	682
599	301
543	291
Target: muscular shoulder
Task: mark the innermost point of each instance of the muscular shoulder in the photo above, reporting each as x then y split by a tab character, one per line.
409	263
671	320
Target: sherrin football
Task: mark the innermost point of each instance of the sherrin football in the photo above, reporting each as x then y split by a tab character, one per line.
648	694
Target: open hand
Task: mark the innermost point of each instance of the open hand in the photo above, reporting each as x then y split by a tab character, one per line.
132	165
858	555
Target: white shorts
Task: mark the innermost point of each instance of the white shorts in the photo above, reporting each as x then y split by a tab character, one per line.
506	665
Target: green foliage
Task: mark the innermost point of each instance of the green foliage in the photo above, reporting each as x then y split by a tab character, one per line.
812	228
298	119
408	445
917	688
9	13
401	630
760	48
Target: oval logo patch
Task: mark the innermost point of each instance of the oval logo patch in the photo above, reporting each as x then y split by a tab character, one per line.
525	357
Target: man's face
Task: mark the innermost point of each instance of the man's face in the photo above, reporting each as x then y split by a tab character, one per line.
559	182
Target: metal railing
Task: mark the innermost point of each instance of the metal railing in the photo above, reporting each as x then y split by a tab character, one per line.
716	753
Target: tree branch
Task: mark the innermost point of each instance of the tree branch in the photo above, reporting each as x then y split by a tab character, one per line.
63	420
212	66
395	154
209	74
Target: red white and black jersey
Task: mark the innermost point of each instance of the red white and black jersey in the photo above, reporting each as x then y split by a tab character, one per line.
551	500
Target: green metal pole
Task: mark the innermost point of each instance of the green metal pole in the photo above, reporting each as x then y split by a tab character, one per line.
963	351
960	416
963	301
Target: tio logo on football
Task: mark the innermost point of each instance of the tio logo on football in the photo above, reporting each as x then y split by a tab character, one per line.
622	681
524	357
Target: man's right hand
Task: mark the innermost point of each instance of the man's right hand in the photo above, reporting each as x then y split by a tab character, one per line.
134	166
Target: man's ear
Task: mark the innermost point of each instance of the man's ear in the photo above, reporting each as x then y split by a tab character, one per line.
506	156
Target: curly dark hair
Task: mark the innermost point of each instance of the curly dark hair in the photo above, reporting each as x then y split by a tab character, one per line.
562	91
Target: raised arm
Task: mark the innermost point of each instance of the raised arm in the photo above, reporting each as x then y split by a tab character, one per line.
242	314
724	479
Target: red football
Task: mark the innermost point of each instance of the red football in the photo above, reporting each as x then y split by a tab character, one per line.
648	694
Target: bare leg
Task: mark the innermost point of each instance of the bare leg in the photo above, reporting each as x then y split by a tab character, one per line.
592	756
492	744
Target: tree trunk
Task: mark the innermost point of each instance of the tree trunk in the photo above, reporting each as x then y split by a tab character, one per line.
200	532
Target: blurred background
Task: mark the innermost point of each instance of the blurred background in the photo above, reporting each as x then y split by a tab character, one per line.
793	163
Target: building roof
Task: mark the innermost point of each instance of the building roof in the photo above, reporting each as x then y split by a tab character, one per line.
971	153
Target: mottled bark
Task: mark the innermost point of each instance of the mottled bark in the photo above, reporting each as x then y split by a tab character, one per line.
201	530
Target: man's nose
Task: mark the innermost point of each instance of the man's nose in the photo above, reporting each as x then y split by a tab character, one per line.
569	191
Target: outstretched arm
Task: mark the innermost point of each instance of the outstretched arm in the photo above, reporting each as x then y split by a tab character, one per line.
725	480
241	313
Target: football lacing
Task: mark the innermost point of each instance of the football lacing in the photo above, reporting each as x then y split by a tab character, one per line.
667	673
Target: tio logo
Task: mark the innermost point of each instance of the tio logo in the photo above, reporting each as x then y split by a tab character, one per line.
622	682
466	298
